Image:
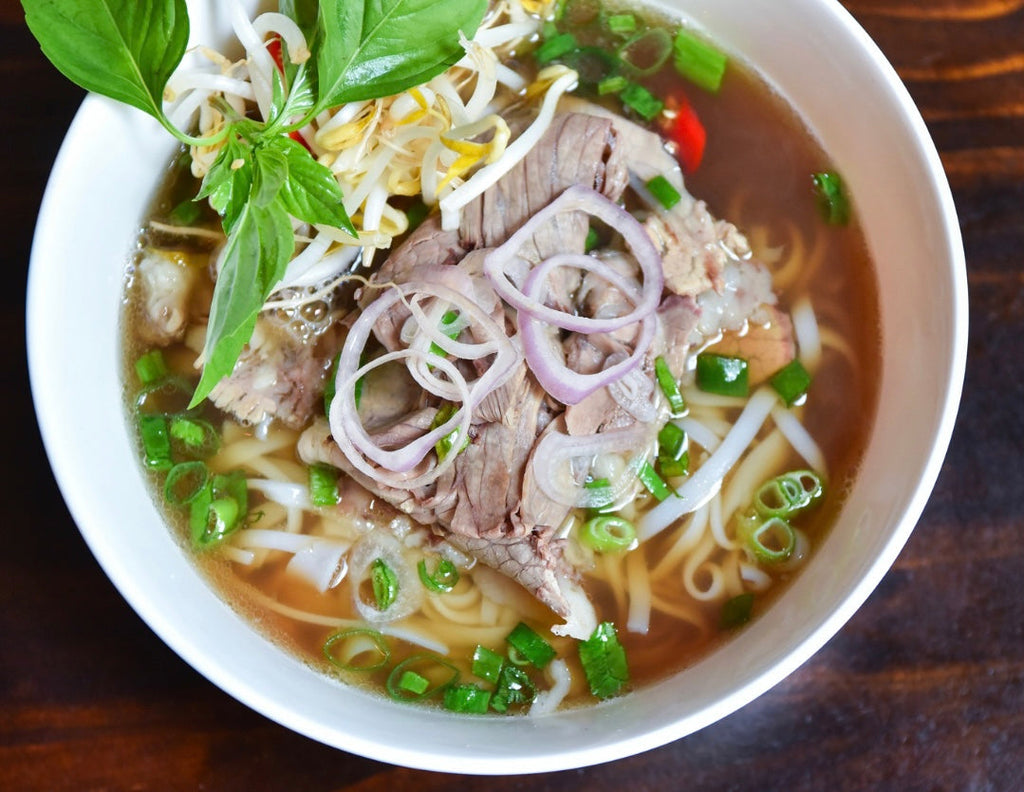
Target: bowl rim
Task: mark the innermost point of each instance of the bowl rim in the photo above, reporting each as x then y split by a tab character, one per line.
39	342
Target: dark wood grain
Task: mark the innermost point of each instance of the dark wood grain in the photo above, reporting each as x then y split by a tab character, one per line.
922	690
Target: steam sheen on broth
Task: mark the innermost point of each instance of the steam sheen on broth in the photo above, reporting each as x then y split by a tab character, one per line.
389	578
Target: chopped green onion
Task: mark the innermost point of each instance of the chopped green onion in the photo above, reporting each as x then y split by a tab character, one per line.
788	494
610	85
446	327
791	382
592	64
737	611
592	241
445	576
671	467
385	584
199	437
673	456
646	52
516	658
444	446
331	386
667	195
469	699
621	23
168	395
218	509
420	676
669	386
185	481
671	441
186	213
771	541
604	662
413	683
151	367
514	687
487	664
608	533
345	648
699	62
555	47
156	442
653	483
641	101
530	645
835	208
323	485
723	374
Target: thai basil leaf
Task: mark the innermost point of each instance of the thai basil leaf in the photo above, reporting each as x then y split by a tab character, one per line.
123	49
311	193
228	183
254	260
269	174
374	48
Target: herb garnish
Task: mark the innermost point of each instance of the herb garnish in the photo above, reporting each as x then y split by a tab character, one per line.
360	49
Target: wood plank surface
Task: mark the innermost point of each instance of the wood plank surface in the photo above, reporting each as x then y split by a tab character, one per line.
922	690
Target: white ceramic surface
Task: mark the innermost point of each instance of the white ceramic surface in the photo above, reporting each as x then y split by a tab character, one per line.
815	55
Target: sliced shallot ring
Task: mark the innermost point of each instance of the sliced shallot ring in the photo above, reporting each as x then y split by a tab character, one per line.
557	448
579	198
344	416
566	385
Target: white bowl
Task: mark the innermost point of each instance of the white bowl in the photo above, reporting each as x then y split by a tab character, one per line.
816	55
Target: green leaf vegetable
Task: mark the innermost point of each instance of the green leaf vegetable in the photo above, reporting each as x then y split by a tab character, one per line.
360	49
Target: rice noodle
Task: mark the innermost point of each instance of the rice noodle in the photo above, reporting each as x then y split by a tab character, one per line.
800	439
708	477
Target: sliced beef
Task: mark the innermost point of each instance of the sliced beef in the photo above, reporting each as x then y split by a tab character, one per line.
279	375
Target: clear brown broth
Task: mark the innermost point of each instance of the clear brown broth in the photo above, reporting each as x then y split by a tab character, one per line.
755	173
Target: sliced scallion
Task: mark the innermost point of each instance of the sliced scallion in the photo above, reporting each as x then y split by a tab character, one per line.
610	85
385	584
608	533
530	645
772	540
698	61
724	375
791	382
487	664
185	481
620	23
653	483
737	610
668	384
835	207
667	195
443	578
151	367
156	441
420	676
514	686
198	437
467	698
357	649
641	101
646	52
604	662
323	485
555	47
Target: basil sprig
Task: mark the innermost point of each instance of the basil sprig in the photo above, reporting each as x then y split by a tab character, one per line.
361	49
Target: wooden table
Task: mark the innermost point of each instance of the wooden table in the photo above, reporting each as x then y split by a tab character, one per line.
922	690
